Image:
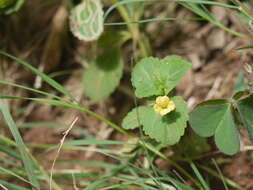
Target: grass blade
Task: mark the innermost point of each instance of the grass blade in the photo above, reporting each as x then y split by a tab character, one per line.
199	176
29	89
11	186
120	3
47	79
20	144
9	172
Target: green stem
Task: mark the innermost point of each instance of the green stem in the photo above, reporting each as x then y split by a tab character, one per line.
243	9
238	34
134	29
228	181
43	172
164	157
101	118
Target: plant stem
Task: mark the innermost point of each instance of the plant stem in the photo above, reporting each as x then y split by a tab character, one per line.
43	172
164	157
134	29
101	118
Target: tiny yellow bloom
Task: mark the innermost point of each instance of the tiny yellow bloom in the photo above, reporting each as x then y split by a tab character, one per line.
164	105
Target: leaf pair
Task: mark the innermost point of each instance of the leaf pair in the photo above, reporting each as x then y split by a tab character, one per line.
153	77
218	118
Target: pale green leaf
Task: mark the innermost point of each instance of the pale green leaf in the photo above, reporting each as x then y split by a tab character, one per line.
86	20
152	76
169	128
133	118
103	76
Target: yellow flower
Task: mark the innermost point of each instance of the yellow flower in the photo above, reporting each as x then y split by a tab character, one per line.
163	105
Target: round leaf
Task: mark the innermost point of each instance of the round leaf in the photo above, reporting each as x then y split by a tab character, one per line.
152	76
226	136
86	20
169	128
134	118
216	120
103	76
205	119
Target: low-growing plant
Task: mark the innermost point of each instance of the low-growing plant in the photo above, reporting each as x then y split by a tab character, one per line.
152	78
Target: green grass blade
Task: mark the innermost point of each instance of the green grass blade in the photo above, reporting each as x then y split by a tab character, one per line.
20	144
9	172
11	186
199	176
221	175
120	3
153	20
231	183
10	152
29	89
6	161
92	142
47	79
73	106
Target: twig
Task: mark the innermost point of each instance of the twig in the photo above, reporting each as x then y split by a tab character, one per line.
5	188
59	149
74	182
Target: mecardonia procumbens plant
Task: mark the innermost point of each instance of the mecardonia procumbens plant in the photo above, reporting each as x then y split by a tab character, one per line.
164	121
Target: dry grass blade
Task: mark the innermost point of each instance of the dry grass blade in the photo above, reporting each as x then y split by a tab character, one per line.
59	149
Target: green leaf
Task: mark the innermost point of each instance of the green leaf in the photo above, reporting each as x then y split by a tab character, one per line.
152	76
12	186
103	76
169	128
9	172
240	84
216	120
133	118
135	10
205	119
245	109
28	163
6	3
86	20
113	38
213	102
10	6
